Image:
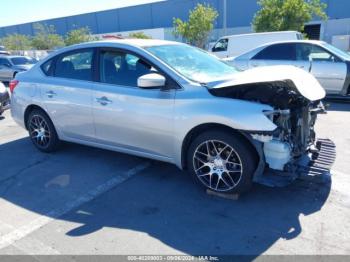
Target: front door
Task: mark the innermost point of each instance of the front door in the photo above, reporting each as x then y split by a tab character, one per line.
129	117
329	70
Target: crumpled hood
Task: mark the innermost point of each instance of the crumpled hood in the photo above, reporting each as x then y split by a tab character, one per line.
307	84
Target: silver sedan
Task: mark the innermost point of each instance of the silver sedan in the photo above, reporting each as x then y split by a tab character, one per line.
11	65
172	102
330	65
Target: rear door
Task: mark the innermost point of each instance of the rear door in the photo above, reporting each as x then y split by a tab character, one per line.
329	70
276	54
67	92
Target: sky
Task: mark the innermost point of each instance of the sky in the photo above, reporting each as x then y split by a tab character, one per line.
14	12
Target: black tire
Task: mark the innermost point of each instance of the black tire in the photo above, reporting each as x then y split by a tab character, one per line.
242	152
52	141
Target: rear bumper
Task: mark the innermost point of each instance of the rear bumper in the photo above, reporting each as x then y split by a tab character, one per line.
4	101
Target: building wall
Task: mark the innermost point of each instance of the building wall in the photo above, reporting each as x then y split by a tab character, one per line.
155	15
160	15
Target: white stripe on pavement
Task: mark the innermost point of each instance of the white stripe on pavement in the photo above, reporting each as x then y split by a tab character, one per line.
42	220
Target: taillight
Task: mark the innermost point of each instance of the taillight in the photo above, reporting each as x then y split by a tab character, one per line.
13	84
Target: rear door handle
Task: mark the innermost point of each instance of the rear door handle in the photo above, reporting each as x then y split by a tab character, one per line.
51	94
103	101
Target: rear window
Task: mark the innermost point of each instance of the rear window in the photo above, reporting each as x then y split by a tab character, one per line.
277	52
47	67
75	65
22	60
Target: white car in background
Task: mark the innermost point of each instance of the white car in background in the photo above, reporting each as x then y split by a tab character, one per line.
330	65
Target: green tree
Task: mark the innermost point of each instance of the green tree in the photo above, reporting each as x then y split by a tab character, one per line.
45	37
79	35
16	42
140	35
200	23
282	15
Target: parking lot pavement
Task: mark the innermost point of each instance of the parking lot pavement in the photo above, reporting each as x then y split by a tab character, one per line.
82	200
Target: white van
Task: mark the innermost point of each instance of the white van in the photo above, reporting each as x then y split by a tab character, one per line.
234	45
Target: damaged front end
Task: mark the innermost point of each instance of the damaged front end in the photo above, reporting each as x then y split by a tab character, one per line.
290	151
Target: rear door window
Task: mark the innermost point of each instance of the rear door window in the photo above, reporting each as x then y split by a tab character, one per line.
277	52
75	65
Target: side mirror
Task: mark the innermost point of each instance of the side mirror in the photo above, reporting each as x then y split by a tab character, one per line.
151	81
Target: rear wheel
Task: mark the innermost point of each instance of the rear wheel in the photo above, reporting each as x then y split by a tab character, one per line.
222	162
42	131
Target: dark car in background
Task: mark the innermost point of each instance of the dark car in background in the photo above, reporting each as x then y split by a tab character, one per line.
11	65
4	98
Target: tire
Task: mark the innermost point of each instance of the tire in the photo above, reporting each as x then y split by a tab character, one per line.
228	169
42	131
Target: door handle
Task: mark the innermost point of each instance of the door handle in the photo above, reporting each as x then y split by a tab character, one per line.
103	100
50	94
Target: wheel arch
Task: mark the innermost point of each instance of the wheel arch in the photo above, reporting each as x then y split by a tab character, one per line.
195	131
29	109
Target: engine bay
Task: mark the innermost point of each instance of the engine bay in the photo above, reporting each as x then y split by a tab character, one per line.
293	114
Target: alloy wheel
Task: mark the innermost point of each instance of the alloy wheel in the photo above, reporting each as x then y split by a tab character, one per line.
217	165
39	131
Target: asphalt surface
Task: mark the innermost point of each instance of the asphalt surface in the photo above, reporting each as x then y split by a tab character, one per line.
83	200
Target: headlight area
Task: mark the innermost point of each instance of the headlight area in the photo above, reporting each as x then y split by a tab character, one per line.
291	150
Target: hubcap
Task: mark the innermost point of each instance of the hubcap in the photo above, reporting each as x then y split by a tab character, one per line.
39	131
217	165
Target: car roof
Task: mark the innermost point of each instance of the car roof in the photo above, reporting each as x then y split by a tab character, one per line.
262	33
317	42
13	56
138	43
131	42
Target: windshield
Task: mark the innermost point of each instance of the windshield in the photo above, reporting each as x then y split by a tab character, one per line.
193	63
337	51
22	60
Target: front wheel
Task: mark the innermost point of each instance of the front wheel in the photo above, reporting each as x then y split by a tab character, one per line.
42	131
222	162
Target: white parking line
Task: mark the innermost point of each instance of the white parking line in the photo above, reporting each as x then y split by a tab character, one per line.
42	220
340	182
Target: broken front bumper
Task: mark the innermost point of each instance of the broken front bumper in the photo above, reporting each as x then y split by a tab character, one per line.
314	166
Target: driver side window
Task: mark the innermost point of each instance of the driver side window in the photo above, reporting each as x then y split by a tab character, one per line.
221	45
4	62
305	52
123	69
